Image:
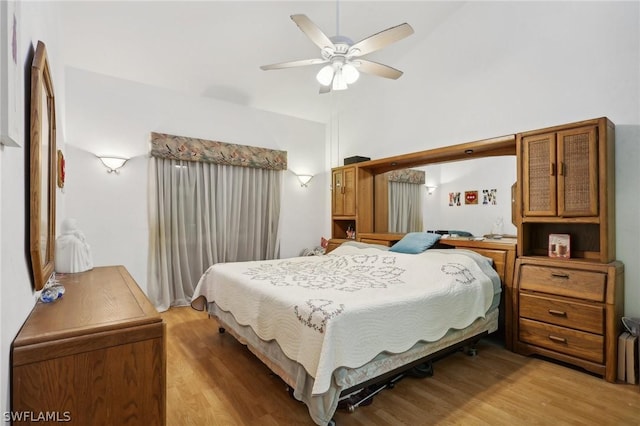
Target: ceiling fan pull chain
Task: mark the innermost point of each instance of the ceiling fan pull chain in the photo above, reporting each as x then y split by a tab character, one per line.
337	17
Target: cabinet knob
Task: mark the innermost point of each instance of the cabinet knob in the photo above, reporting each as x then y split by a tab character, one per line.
560	275
557	313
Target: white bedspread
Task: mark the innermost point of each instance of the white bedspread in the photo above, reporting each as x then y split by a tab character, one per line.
343	309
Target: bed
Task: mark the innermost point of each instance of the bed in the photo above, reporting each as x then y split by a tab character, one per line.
328	325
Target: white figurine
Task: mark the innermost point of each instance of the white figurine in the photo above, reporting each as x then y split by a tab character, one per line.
73	254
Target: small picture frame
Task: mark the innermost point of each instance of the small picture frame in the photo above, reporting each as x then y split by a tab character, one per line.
471	197
560	246
61	169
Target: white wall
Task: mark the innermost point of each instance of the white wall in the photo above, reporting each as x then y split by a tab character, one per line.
110	116
498	68
36	21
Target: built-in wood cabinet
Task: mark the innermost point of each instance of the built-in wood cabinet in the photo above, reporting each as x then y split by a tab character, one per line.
351	201
565	309
566	177
344	191
94	356
568	309
560	173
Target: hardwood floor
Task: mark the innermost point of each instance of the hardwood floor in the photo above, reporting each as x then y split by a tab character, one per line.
214	380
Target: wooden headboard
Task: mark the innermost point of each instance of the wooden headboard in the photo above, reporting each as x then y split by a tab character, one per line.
503	253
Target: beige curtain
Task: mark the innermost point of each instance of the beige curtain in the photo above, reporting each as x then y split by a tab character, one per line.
405	207
204	213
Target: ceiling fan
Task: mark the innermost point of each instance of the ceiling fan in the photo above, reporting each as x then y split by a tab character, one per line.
343	57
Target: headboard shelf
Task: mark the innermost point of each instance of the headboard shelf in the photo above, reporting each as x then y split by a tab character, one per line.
499	146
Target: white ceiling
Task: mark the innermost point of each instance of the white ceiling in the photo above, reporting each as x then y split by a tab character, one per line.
215	48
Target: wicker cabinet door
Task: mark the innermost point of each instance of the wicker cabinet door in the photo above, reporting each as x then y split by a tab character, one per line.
539	175
578	172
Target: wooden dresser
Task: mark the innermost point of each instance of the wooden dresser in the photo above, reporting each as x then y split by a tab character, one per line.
570	301
571	311
96	356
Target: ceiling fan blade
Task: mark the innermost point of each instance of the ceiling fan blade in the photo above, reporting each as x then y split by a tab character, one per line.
380	40
291	64
375	68
324	89
312	31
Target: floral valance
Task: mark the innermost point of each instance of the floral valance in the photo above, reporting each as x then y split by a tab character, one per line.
407	176
192	149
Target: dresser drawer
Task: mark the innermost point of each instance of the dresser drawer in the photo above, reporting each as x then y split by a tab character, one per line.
560	339
580	316
564	282
379	242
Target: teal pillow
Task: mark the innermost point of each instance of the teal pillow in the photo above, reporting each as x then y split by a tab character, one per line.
415	242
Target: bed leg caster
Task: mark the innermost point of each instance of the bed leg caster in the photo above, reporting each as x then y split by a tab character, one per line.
421	371
290	391
471	350
221	330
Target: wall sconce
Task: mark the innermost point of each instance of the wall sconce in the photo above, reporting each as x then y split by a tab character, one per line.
304	180
430	189
113	164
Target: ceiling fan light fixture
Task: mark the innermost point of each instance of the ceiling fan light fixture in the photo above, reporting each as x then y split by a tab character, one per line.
339	82
350	73
325	75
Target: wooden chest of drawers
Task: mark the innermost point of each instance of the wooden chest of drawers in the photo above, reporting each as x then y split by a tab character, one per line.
94	357
570	311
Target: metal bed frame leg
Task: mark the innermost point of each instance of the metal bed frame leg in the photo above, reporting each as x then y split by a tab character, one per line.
364	396
471	349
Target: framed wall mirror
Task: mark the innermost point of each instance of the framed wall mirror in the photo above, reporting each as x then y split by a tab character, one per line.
42	195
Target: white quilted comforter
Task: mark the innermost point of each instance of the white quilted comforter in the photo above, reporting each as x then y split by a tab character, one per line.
343	309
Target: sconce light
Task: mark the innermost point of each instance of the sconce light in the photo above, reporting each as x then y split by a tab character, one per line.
113	164
304	179
430	189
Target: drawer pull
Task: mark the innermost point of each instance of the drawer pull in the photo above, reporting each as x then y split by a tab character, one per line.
560	275
557	339
557	313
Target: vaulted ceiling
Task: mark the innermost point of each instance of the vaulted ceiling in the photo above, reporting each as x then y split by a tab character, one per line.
215	48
